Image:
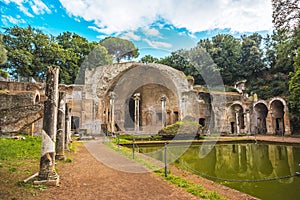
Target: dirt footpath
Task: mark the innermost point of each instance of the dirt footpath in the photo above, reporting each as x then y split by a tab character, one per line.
87	178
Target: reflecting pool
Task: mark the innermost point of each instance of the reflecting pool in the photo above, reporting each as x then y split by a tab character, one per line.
246	161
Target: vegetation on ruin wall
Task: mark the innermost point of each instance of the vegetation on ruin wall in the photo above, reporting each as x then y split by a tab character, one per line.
182	128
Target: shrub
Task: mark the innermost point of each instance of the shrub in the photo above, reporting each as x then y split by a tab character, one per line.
181	128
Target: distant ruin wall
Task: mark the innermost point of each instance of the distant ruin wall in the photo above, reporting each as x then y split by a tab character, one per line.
17	86
18	111
8	101
17	119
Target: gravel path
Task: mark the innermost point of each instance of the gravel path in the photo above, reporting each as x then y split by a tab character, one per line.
87	178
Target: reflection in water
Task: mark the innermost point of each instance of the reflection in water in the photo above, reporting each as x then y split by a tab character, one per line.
243	162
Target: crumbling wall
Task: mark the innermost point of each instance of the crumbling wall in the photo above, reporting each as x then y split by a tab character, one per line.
18	111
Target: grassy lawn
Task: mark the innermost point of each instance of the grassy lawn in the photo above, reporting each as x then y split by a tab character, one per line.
19	159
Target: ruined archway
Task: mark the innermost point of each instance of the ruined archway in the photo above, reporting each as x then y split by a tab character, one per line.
261	112
122	81
206	114
277	116
236	118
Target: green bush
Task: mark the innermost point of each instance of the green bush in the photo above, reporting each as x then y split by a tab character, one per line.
181	128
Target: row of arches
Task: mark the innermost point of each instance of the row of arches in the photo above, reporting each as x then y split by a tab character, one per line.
259	118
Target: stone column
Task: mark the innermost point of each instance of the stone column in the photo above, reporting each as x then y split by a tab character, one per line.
272	129
237	121
47	174
247	121
67	127
286	121
112	111
136	98
163	110
60	136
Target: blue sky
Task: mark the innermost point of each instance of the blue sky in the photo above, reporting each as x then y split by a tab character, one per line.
156	27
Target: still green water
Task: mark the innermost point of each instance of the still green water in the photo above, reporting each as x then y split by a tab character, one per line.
247	161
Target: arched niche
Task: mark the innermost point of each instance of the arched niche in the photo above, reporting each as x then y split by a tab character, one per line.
236	117
261	112
277	116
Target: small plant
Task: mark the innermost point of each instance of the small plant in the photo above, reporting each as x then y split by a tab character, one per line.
40	187
68	160
12	169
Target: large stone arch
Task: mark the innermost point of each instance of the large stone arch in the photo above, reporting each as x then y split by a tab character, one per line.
279	118
125	79
100	80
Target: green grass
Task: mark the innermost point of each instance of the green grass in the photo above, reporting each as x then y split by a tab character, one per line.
195	189
19	159
19	150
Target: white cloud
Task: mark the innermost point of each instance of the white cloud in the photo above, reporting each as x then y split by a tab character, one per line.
8	20
94	28
37	6
115	16
156	44
150	31
130	36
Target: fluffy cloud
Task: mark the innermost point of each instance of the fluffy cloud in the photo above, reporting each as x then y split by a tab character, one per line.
151	31
130	36
37	6
115	16
7	20
156	44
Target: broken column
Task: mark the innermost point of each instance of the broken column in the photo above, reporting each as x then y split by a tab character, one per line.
67	127
47	174
60	135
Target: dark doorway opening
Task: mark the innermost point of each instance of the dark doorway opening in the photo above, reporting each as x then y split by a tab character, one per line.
74	123
202	121
232	124
129	114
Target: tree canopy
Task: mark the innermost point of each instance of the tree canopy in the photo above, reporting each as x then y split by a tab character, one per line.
3	58
30	51
120	48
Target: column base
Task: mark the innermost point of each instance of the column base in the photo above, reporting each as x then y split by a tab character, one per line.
60	157
54	182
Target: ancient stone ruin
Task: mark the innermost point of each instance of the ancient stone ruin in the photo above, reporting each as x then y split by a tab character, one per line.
142	98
